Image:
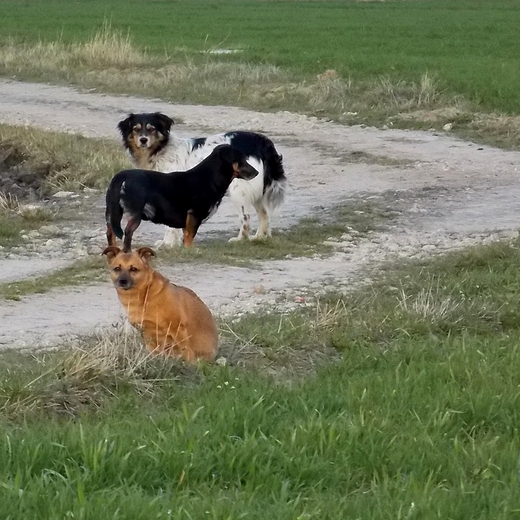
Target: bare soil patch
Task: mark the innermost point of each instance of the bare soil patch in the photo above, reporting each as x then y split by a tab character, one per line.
448	193
17	179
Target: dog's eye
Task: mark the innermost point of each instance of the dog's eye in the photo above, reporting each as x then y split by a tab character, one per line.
133	269
150	128
137	128
117	269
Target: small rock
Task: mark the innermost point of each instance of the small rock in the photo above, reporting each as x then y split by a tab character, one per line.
49	230
63	194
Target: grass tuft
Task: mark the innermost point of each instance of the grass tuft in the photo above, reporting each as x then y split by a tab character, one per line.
36	213
8	202
108	48
83	376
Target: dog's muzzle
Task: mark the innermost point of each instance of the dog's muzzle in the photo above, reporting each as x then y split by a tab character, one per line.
143	142
124	282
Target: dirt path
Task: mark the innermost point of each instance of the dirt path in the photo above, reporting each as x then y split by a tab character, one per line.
448	192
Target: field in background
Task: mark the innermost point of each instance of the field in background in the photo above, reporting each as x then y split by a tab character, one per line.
390	58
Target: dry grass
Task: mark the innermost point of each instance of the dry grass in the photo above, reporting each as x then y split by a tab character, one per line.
36	213
107	48
287	346
118	356
433	306
494	129
58	161
8	202
83	375
380	99
216	83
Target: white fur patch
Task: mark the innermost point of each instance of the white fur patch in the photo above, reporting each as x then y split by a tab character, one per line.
149	211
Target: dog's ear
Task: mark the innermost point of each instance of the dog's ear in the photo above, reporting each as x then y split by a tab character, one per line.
166	122
111	252
145	253
125	126
229	154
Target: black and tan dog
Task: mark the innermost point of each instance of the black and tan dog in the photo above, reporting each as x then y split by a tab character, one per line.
178	199
173	319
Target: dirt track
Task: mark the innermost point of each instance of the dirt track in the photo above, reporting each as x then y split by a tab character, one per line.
448	192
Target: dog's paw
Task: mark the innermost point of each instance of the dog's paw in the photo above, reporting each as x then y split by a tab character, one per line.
236	239
259	238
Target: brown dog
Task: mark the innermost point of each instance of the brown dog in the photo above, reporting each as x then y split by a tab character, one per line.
173	319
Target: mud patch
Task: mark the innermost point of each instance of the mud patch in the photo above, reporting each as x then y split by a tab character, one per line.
18	179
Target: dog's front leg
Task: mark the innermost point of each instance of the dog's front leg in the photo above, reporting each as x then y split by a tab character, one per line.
189	232
131	226
245	224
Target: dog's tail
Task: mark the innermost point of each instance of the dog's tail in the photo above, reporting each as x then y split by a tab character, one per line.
114	211
275	181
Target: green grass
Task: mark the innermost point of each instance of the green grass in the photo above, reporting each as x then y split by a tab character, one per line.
418	420
10	228
12	224
391	58
399	400
469	44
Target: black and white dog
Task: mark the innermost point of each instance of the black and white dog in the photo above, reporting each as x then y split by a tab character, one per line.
152	146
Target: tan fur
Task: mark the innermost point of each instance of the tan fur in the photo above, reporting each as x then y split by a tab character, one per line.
143	155
173	319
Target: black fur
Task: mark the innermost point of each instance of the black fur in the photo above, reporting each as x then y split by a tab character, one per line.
178	199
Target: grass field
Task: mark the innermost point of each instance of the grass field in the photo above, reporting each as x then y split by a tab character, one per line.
469	44
398	401
420	419
390	57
